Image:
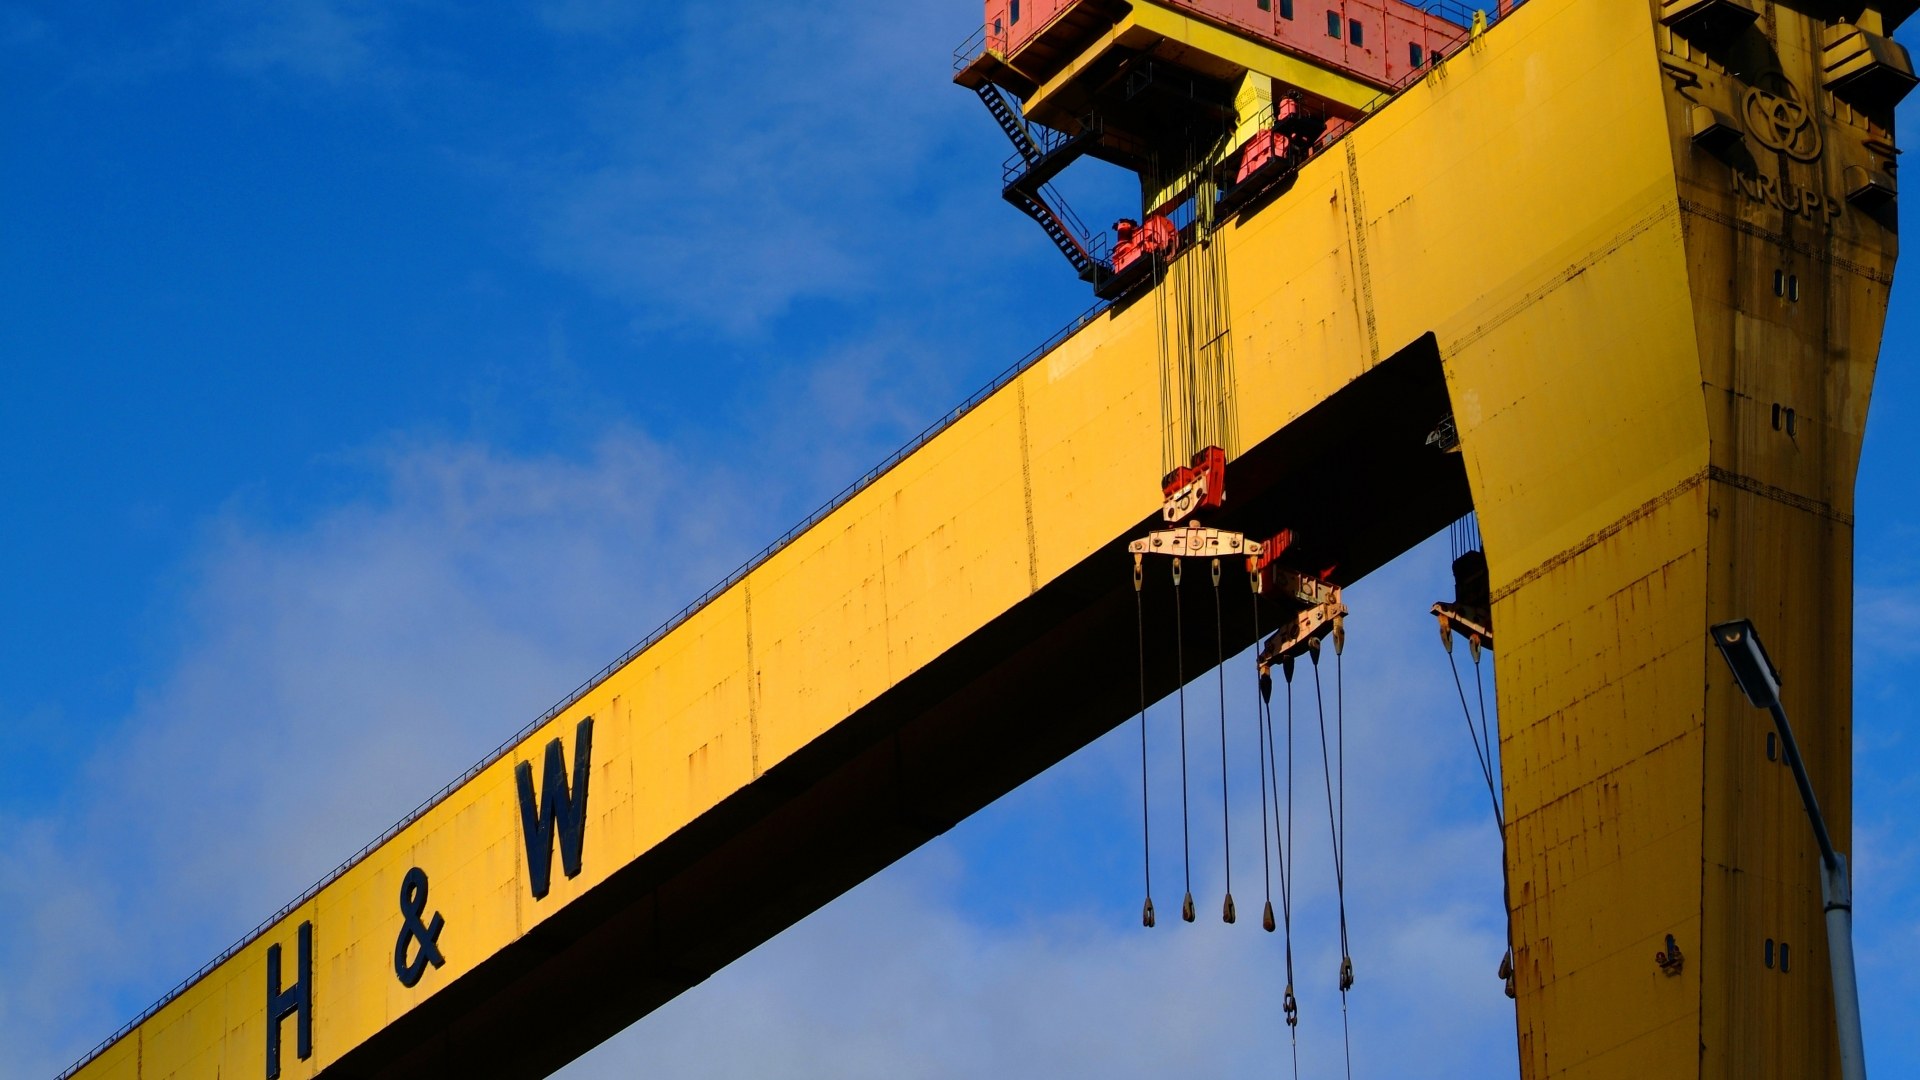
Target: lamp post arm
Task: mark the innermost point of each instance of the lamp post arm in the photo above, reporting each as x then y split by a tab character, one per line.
1829	858
1836	895
1760	683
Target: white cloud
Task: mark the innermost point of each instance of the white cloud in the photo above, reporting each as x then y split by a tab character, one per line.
331	677
1887	621
593	17
330	40
743	165
1886	874
22	28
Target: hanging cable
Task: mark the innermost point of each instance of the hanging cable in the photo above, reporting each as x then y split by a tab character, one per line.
1289	1004
1486	735
1227	914
1262	730
1333	823
1339	867
1506	970
1192	318
1483	750
1483	753
1270	789
1146	822
1180	673
1340	787
1169	439
1340	738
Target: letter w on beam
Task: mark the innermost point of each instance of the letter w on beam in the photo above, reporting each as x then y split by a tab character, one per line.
557	806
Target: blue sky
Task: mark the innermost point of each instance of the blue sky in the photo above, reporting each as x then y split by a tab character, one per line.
374	372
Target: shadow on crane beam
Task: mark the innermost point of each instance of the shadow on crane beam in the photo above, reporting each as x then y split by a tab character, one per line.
1353	477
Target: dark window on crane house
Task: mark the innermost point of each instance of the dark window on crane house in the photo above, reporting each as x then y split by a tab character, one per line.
1286	9
1416	54
1333	25
1013	11
1354	32
1266	5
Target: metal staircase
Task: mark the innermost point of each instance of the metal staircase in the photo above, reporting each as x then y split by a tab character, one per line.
1007	115
1036	160
1036	206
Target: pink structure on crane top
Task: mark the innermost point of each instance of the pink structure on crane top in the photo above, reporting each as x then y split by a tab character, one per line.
1376	41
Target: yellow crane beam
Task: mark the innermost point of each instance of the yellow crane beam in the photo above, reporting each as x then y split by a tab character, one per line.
1656	330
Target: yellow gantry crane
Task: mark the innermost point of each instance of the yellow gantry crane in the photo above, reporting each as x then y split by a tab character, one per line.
1629	258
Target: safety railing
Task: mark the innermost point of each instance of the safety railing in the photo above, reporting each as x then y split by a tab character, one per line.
983	40
1093	240
1464	13
1460	13
1047	141
965	53
845	495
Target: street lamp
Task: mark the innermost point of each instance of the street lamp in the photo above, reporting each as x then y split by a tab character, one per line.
1760	681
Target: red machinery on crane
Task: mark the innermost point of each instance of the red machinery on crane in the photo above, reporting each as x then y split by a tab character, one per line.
1237	93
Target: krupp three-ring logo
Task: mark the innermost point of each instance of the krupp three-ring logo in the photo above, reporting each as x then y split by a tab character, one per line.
1779	120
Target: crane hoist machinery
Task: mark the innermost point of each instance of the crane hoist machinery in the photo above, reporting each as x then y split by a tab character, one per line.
1211	102
1216	106
1599	283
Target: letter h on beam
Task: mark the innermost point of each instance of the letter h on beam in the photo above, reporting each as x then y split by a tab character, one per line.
295	1000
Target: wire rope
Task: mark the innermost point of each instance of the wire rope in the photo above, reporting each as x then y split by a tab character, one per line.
1263	731
1180	673
1227	913
1340	738
1339	867
1481	754
1483	749
1146	820
1290	1004
1486	735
